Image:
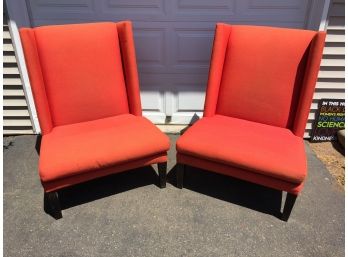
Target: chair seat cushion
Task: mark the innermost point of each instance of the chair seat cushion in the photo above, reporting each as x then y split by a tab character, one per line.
255	147
77	148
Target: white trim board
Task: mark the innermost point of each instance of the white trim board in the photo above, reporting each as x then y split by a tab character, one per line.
22	66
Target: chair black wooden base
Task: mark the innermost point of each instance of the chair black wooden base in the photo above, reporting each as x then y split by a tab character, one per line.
162	173
180	171
289	204
52	205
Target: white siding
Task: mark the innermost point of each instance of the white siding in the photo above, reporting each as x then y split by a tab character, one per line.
16	114
331	76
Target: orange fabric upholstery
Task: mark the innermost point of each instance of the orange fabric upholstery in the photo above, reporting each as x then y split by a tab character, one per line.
85	85
36	80
309	81
222	35
256	147
86	176
93	145
260	81
260	87
130	66
239	173
108	66
80	69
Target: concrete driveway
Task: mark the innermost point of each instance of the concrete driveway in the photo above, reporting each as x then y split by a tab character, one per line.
128	215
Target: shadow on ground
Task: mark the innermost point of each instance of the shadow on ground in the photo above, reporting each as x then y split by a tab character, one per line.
235	191
338	147
106	186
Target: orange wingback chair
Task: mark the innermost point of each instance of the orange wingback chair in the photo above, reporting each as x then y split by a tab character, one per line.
85	85
260	89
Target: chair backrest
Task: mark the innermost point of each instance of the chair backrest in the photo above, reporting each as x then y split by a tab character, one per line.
81	72
264	74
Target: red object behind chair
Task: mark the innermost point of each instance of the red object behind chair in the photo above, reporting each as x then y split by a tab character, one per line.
85	85
260	88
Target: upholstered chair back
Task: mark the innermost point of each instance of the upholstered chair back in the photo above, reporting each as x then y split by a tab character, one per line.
264	74
81	72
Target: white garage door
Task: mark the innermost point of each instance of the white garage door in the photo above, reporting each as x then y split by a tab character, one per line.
173	39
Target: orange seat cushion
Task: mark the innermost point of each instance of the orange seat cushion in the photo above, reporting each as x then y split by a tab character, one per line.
255	147
77	148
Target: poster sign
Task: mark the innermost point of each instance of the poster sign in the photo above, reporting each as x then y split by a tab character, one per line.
329	119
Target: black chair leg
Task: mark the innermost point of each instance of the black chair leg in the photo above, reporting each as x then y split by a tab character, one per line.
162	173
289	204
52	205
180	171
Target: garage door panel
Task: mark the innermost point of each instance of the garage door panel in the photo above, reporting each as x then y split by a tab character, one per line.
185	89
185	110
150	44
152	95
276	4
152	100
281	24
188	94
62	10
203	8
185	103
190	45
133	9
192	48
43	22
160	81
274	10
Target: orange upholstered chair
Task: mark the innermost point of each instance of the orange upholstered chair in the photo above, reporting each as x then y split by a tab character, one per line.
260	89
85	85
